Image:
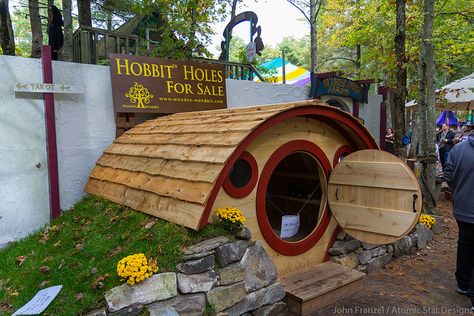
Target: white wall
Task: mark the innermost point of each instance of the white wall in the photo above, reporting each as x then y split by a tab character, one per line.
85	126
24	199
370	112
242	93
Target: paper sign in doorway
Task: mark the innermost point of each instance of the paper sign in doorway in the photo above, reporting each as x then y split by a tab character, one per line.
290	224
39	302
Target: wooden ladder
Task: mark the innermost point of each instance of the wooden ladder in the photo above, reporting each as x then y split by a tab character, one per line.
321	285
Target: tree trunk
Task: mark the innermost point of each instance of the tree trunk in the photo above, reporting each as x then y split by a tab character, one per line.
36	30
401	76
313	15
426	111
50	12
84	12
7	38
66	53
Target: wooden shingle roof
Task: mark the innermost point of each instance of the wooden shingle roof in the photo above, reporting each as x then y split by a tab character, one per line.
172	167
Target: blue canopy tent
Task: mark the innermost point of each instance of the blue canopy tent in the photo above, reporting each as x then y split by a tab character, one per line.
447	117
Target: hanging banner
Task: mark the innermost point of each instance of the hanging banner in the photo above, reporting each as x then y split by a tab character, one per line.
160	85
339	86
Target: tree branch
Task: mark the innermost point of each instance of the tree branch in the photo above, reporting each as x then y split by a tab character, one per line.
301	10
343	58
465	15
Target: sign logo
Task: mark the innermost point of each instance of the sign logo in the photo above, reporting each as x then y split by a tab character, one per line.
139	94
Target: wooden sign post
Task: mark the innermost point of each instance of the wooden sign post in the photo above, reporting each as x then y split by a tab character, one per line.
49	89
51	147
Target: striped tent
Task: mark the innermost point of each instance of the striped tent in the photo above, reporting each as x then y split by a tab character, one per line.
293	74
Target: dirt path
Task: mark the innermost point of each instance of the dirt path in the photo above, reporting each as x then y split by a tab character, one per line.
418	284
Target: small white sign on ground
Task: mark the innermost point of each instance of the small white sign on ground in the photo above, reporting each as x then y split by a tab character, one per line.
290	224
39	302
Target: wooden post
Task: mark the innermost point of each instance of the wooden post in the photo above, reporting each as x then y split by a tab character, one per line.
85	47
51	147
355	108
383	114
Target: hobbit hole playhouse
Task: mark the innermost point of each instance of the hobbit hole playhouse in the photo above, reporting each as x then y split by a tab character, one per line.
302	158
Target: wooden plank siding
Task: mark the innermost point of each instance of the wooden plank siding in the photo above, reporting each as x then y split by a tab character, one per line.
169	166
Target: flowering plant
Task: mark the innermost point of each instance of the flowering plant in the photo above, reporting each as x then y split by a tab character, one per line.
136	268
230	217
427	220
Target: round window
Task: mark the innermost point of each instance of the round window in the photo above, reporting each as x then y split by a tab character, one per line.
291	197
341	153
240	173
242	176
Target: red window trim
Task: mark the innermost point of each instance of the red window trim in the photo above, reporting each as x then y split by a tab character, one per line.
344	149
239	193
279	245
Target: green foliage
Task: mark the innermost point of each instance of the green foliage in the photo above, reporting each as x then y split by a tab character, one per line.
80	250
187	31
210	310
371	23
297	51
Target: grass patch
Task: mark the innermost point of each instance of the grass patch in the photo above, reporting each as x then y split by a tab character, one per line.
80	250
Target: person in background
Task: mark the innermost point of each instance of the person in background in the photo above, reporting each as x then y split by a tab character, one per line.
389	140
459	174
467	128
55	32
445	141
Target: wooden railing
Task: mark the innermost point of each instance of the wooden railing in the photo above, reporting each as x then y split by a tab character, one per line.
236	71
92	45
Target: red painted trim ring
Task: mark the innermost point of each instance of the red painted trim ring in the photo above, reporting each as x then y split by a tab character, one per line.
344	149
239	193
278	244
328	113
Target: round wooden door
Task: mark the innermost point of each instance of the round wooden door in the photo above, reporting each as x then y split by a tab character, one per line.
374	196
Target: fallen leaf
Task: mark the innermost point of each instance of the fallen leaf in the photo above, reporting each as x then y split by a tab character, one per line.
149	225
44	238
20	260
99	281
54	228
61	264
79	296
58	243
113	219
14	293
43	284
80	246
115	251
44	269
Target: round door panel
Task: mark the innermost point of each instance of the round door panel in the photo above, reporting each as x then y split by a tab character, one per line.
374	196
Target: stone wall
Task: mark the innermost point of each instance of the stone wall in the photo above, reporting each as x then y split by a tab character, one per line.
229	277
368	258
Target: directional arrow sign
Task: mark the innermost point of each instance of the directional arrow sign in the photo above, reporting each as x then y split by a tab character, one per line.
48	88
